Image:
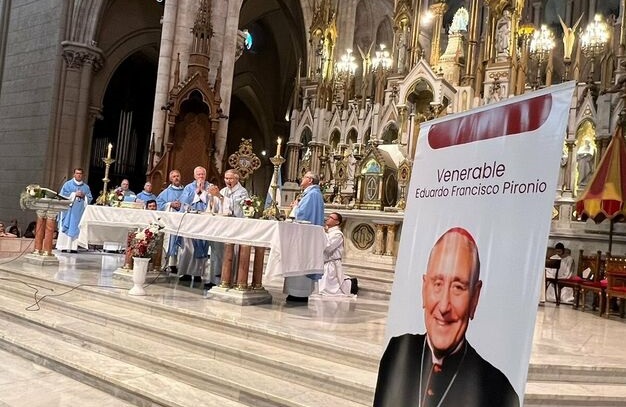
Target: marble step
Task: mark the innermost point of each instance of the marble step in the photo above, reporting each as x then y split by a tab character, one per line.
545	373
214	347
574	395
126	381
372	283
25	383
184	364
362	354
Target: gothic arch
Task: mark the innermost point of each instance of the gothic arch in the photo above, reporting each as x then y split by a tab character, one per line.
384	33
363	25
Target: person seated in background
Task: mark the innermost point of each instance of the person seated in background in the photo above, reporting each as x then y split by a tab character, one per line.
146	195
151	205
129	196
30	230
14	229
334	282
566	270
4	233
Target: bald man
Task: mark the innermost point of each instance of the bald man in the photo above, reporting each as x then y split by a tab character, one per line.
441	368
194	254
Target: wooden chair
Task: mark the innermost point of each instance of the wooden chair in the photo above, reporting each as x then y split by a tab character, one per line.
574	282
553	264
616	282
595	282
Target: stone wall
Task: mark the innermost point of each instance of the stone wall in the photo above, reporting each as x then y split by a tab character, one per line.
27	93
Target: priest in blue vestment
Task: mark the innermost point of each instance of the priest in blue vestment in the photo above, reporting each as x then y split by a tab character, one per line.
80	196
195	197
309	208
169	201
146	195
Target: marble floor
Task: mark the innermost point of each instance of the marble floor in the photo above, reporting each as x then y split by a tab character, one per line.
563	336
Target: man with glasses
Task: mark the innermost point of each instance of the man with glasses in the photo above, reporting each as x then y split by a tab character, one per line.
79	193
229	199
309	208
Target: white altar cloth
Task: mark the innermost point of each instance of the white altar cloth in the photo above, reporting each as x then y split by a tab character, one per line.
295	249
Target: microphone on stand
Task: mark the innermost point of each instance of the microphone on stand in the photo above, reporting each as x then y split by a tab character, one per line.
62	182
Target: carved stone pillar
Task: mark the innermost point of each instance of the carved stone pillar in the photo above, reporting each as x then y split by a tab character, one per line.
227	265
379	242
438	10
244	267
81	61
40	231
128	257
51	220
157	257
257	270
161	93
391	239
293	155
567	177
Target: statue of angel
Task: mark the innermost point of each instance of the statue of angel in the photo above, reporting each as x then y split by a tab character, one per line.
569	36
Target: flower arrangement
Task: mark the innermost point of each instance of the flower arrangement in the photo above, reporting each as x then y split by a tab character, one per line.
116	196
34	191
145	242
251	206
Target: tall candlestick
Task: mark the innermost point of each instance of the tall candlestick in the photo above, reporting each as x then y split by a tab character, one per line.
109	150
278	147
323	150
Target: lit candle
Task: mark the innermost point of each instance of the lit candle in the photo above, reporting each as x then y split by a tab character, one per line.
109	150
278	147
324	150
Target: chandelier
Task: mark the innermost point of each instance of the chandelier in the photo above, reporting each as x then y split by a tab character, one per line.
541	45
382	60
593	42
594	38
346	67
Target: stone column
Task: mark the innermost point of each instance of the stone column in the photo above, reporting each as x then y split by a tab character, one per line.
391	238
257	270
379	242
293	153
40	231
51	221
82	61
244	267
168	29
157	255
228	58
128	257
438	10
227	265
567	178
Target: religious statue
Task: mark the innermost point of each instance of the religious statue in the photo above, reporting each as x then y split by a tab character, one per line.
563	169
459	21
585	162
503	34
569	36
402	49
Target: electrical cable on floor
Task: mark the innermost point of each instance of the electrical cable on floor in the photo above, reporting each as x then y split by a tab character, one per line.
37	300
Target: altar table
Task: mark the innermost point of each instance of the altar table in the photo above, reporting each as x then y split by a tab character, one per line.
295	249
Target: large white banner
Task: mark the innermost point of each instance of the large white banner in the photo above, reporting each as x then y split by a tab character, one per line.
467	279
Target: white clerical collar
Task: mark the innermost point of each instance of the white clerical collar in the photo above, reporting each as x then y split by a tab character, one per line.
177	187
435	359
78	182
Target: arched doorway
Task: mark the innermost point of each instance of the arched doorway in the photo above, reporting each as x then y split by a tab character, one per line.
126	122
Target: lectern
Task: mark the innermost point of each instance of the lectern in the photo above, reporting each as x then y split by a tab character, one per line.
47	210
